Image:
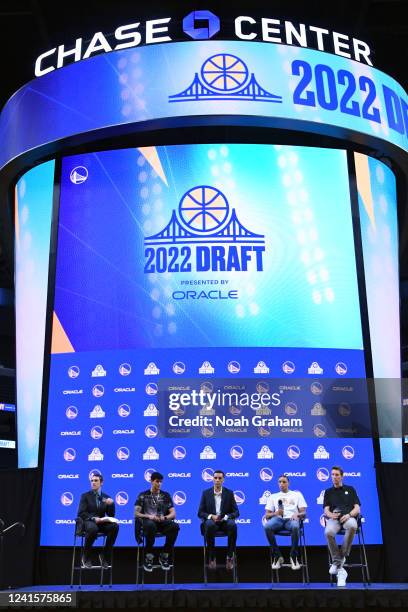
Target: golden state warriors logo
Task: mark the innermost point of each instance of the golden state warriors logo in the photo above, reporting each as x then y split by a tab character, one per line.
224	77
204	235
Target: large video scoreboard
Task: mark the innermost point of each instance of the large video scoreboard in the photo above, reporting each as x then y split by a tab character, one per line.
188	302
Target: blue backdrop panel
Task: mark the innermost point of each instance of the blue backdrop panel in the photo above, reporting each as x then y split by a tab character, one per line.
206	262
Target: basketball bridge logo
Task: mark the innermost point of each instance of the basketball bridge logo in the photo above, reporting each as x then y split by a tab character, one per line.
224	77
205	234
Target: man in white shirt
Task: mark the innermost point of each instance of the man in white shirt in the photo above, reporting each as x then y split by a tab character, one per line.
283	511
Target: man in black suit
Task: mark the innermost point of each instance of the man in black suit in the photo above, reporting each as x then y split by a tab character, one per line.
94	506
218	510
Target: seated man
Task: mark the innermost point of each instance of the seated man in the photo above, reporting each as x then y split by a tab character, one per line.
218	510
155	509
341	508
94	508
283	511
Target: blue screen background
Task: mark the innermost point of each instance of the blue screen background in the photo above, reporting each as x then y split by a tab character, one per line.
297	198
301	307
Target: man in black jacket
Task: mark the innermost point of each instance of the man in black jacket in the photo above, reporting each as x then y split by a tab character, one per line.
93	509
218	511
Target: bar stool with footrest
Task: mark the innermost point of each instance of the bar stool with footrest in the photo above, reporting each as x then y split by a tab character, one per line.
141	550
218	534
363	564
77	564
302	554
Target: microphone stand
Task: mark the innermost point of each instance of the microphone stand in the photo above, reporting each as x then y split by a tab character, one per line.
4	532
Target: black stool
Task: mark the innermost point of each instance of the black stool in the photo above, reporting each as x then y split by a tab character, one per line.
141	547
80	534
218	534
302	553
363	565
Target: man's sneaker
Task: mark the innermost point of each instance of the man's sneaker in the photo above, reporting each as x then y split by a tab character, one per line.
341	577
334	568
148	563
86	563
229	563
104	562
212	564
277	562
294	562
164	561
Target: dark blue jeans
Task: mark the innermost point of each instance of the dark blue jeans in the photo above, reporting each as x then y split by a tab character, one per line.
274	525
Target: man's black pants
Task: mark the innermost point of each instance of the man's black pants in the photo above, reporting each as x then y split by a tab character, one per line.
109	529
168	528
228	527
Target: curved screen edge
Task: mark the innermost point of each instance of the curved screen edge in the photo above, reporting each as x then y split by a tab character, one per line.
33	210
172	80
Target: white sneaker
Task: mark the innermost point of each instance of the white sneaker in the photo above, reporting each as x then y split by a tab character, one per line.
277	562
294	563
341	577
333	569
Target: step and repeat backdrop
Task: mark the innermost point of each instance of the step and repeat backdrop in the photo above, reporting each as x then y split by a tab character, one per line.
207	316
